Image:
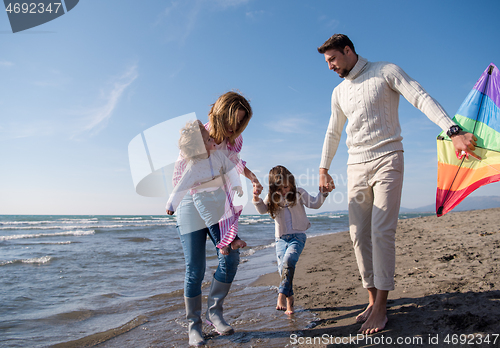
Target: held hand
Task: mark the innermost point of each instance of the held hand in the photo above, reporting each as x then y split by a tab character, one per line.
170	212
257	187
256	197
465	142
325	181
238	190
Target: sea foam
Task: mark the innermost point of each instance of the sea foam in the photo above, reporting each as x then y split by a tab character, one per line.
34	260
40	235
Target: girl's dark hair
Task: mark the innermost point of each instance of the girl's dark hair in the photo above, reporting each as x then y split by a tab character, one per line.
279	176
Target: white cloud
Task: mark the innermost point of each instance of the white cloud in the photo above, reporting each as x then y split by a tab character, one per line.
229	3
171	8
26	129
90	120
255	14
97	118
6	64
328	22
290	125
180	18
51	78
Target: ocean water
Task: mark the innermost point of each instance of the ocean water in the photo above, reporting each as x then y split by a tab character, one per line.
72	281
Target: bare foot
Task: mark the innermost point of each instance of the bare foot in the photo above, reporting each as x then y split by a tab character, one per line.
289	305
225	250
361	318
281	305
238	243
376	321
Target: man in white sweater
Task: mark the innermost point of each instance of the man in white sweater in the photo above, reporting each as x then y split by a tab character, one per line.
368	99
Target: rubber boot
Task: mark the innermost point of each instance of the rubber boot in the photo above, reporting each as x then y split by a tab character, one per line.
218	292
193	316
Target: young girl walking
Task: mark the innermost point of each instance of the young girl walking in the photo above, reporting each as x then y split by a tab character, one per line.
285	203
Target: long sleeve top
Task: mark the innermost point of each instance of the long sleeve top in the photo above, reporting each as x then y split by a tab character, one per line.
231	151
229	221
368	99
300	222
204	175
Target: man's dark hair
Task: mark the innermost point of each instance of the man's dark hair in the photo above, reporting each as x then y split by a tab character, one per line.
336	42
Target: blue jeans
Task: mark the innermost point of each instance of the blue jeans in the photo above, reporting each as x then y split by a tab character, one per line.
210	205
288	250
194	248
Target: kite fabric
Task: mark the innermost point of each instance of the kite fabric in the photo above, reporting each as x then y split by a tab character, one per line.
458	174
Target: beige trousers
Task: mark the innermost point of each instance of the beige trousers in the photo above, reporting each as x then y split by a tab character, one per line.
374	193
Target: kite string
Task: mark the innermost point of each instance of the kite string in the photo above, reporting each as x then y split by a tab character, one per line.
492	167
489	165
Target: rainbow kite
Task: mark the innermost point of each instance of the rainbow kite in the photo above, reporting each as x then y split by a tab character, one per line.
479	114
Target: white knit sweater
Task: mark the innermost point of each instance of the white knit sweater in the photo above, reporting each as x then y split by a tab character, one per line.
369	98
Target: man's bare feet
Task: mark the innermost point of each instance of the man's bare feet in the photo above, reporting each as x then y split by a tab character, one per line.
238	243
362	317
375	313
376	321
289	305
281	305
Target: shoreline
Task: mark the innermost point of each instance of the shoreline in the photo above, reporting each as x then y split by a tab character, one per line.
447	285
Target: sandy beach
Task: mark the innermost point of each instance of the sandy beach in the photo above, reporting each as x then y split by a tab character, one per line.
447	285
447	294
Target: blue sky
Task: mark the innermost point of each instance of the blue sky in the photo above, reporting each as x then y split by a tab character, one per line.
75	91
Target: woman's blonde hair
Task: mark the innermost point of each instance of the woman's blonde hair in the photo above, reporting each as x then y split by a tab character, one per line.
279	176
224	114
191	141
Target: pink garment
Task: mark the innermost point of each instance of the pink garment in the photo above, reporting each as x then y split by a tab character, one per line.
228	224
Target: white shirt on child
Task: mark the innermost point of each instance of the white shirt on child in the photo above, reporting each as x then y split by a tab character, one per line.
204	176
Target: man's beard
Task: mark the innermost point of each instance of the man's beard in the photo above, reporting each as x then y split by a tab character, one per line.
343	73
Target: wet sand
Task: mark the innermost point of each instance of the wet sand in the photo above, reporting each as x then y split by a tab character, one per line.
447	293
447	284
